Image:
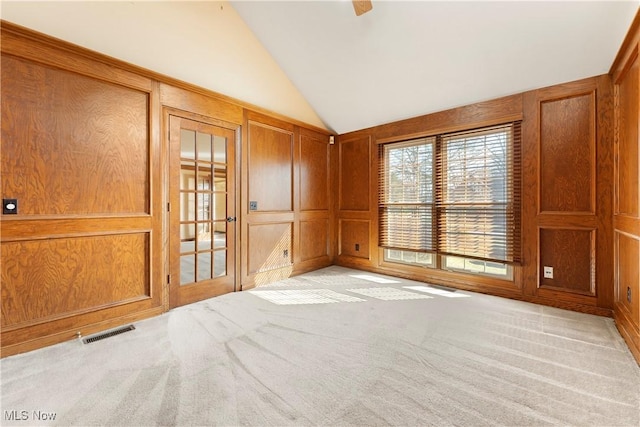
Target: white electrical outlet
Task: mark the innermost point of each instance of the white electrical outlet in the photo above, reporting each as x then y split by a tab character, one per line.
548	272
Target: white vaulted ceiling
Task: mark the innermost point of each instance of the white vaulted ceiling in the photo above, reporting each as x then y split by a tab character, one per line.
409	58
317	62
201	42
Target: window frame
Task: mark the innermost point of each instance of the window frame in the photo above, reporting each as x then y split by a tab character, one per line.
424	210
512	187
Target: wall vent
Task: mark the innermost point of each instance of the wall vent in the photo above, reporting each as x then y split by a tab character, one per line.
108	334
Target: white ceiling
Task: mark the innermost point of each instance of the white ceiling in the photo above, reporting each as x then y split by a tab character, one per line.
201	42
408	58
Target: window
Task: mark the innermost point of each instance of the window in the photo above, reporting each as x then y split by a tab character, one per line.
452	201
407	208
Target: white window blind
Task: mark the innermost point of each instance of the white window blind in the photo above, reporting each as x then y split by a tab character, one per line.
407	196
478	194
453	194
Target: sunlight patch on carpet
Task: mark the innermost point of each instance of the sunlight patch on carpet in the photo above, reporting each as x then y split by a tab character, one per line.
439	292
304	296
388	294
373	278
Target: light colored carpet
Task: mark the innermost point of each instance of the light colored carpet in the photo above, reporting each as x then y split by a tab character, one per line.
337	347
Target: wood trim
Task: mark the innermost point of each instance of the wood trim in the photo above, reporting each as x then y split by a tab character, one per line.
626	315
341	237
449	129
480	114
70	332
200	107
596	110
559	93
627	225
342	179
74	313
618	77
498	290
570	294
628	330
165	96
621	73
13	231
59	54
632	38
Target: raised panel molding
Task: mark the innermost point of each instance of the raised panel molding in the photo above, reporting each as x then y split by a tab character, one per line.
572	255
65	92
625	73
627	276
627	171
269	246
314	239
354	179
43	280
314	173
567	162
567	211
354	238
59	131
270	167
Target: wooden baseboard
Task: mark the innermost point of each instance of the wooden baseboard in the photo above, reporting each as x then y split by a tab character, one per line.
70	334
630	333
493	288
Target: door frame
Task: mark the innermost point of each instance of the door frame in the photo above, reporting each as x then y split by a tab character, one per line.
167	112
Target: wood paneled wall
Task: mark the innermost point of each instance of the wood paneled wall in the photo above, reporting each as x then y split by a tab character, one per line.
85	151
356	185
286	201
80	155
567	194
626	291
568	157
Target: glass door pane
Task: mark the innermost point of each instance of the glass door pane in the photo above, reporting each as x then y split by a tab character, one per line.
203	207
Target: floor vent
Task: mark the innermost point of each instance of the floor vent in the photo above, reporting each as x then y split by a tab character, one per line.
108	334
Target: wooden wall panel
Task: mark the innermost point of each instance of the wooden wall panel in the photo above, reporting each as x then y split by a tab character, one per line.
568	252
314	239
287	172
354	173
314	173
269	246
628	190
486	113
313	244
573	120
567	154
72	144
81	153
567	194
354	238
270	167
625	75
628	277
46	279
82	150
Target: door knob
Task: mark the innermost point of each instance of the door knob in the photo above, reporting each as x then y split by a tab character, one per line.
231	219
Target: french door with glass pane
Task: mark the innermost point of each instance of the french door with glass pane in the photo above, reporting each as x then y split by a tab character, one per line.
202	211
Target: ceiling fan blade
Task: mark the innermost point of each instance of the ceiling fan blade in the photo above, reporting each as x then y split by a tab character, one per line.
362	6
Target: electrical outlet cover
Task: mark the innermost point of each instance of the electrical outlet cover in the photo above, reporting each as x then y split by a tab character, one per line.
548	272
